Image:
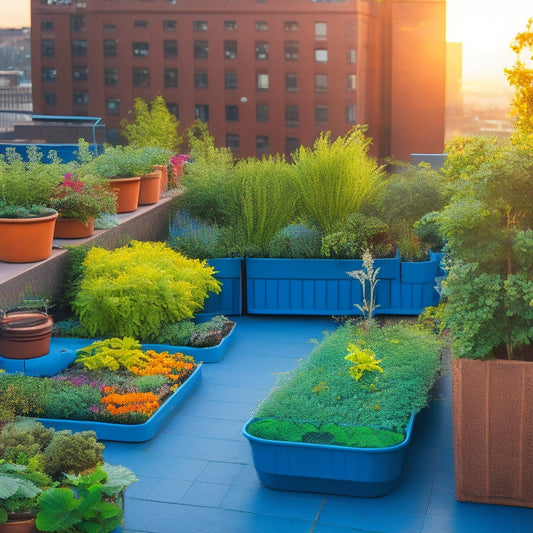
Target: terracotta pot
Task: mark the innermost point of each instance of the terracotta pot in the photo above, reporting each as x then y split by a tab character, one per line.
25	240
150	188
164	176
25	335
72	228
16	525
493	431
128	193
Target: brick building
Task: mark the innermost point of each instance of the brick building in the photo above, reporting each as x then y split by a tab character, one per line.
267	75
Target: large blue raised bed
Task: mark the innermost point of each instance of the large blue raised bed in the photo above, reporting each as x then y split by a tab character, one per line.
323	287
328	469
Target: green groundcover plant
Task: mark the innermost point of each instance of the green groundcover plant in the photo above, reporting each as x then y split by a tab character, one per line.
356	389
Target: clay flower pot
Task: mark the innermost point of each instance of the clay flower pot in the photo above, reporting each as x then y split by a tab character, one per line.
25	334
164	176
24	524
127	193
72	228
150	188
25	240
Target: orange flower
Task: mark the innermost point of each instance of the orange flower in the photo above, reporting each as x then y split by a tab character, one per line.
131	402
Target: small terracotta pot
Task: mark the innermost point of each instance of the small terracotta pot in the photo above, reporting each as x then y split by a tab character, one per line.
25	335
72	228
164	176
127	193
25	240
150	188
16	525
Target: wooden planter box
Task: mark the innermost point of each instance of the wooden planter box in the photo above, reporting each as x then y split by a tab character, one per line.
493	431
322	286
328	469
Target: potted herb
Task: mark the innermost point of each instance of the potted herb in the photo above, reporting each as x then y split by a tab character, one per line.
60	479
489	230
78	203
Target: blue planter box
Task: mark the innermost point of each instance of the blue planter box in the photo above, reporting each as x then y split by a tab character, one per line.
322	286
229	301
133	432
323	468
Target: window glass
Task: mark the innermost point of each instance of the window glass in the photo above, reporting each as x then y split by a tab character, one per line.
321	55
201	49
230	49
80	98
233	142
350	113
261	50
79	48
170	25
170	48
262	144
140	48
77	22
290	25
230	80
232	113
321	31
200	80
201	112
49	74
50	99
350	82
321	83
111	77
291	115
112	106
80	73
350	55
171	77
261	25
262	82
141	77
261	112
230	25
47	47
199	25
321	113
291	50
110	47
291	83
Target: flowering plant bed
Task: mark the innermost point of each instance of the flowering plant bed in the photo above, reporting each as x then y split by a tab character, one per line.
114	387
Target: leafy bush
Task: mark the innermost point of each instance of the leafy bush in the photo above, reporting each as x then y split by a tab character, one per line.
118	162
202	335
336	179
132	291
427	231
296	241
111	353
358	234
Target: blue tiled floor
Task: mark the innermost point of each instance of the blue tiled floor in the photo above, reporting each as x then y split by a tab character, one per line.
196	475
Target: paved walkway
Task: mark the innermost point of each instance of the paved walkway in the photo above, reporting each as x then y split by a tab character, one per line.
196	475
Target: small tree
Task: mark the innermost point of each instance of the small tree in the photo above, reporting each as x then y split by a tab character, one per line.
154	125
520	76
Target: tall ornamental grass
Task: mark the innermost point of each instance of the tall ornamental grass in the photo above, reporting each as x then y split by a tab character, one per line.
336	179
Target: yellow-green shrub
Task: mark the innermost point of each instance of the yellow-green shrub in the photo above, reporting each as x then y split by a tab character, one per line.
134	290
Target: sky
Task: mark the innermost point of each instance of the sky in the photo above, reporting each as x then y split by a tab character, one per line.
485	27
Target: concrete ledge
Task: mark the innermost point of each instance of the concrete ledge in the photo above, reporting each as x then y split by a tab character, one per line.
44	278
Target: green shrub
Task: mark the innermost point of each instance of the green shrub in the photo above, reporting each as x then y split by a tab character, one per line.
150	383
358	234
296	241
427	231
72	403
187	333
132	291
336	179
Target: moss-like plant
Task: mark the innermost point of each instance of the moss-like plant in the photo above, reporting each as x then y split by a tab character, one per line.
296	241
134	290
111	353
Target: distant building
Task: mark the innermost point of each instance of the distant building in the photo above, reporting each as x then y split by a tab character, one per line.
266	75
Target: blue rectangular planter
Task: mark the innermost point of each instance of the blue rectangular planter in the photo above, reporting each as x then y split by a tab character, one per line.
328	469
133	432
322	286
229	301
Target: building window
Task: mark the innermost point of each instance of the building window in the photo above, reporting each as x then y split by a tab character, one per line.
170	25
350	82
48	47
141	77
110	47
321	31
80	73
111	77
174	108
230	80
171	78
230	25
140	48
78	22
291	144
291	50
262	82
350	113
233	142
261	112
48	74
350	56
50	98
261	50
321	55
232	113
321	83
292	116
321	114
140	23
230	49
109	27
201	80
261	25
199	25
47	25
112	106
80	98
201	49
201	112
170	49
290	25
262	144
79	48
291	83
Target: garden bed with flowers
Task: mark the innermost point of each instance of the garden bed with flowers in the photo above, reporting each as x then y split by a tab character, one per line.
114	387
